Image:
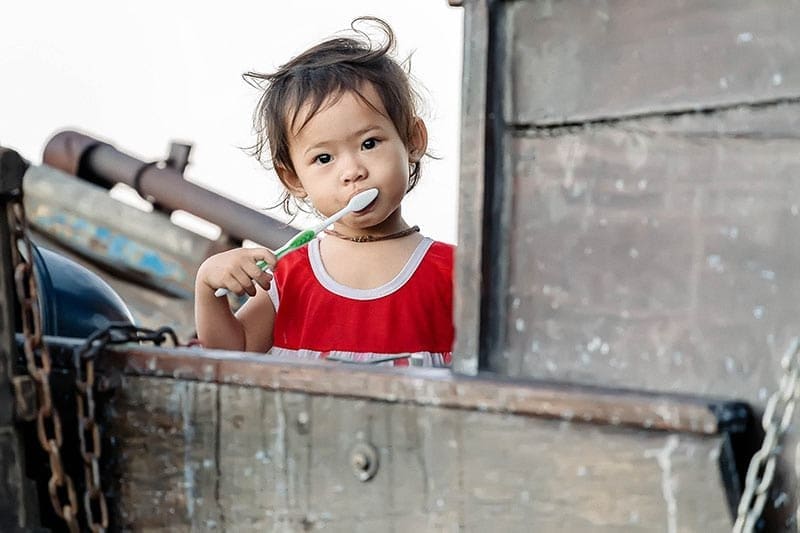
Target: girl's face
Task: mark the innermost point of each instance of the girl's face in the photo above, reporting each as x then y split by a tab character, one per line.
348	147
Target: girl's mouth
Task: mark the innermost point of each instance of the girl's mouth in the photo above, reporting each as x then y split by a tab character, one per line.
368	208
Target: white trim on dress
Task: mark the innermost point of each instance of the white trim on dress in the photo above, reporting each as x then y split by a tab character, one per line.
337	288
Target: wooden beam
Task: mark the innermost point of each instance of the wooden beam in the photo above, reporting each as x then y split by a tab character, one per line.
431	387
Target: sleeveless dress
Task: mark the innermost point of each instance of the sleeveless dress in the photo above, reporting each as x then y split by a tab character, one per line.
407	321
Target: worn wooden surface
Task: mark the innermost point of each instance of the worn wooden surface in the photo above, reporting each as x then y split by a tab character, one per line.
658	252
147	259
650	244
12	498
426	387
467	275
652	149
205	456
579	61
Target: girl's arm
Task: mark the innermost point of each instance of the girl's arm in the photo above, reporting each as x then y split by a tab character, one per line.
257	318
217	326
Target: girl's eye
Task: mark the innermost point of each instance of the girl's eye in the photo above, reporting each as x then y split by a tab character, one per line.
323	158
369	144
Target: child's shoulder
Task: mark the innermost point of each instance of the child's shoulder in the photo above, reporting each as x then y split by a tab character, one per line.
442	254
444	248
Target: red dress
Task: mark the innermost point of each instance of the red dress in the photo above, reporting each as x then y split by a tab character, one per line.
411	316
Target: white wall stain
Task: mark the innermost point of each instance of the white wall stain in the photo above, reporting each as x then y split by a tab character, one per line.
184	398
279	456
664	458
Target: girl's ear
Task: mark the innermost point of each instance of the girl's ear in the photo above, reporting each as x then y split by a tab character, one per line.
418	142
291	181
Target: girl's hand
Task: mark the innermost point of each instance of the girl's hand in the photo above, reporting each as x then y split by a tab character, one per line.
236	271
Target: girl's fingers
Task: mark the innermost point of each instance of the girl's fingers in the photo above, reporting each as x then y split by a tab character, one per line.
234	286
245	281
252	269
263	254
241	272
263	279
258	275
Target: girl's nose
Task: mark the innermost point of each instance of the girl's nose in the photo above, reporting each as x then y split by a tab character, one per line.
353	170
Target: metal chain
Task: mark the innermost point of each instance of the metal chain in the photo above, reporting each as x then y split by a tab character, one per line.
38	361
37	358
88	430
776	420
93	498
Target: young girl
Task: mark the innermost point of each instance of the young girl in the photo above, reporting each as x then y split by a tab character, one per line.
339	119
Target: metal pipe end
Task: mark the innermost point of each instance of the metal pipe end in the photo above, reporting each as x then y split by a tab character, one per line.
66	149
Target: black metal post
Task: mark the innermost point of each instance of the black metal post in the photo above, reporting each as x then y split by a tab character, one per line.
18	500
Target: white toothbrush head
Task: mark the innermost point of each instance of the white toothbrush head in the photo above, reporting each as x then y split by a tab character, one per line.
356	203
362	200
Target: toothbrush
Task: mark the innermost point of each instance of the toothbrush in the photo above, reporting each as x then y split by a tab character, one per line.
356	203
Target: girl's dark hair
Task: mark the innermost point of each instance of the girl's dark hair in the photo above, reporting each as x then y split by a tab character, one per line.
328	70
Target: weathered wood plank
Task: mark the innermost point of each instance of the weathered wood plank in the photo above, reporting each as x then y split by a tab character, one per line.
168	454
579	61
657	252
286	464
152	261
581	478
433	387
467	275
263	457
12	498
84	217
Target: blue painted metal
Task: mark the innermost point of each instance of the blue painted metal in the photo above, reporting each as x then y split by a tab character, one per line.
74	301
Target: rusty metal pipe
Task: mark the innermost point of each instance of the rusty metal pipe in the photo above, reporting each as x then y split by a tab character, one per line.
97	161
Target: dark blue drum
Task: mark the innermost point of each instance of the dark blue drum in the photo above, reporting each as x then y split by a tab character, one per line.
74	301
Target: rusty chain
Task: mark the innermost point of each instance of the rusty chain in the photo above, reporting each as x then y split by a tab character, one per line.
38	361
88	429
776	420
84	398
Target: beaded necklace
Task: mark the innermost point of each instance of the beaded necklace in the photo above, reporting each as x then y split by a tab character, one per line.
373	238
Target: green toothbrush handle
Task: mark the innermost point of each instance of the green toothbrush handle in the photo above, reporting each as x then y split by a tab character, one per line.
298	241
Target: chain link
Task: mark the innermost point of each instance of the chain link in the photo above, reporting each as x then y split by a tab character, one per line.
89	437
776	420
38	362
94	502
